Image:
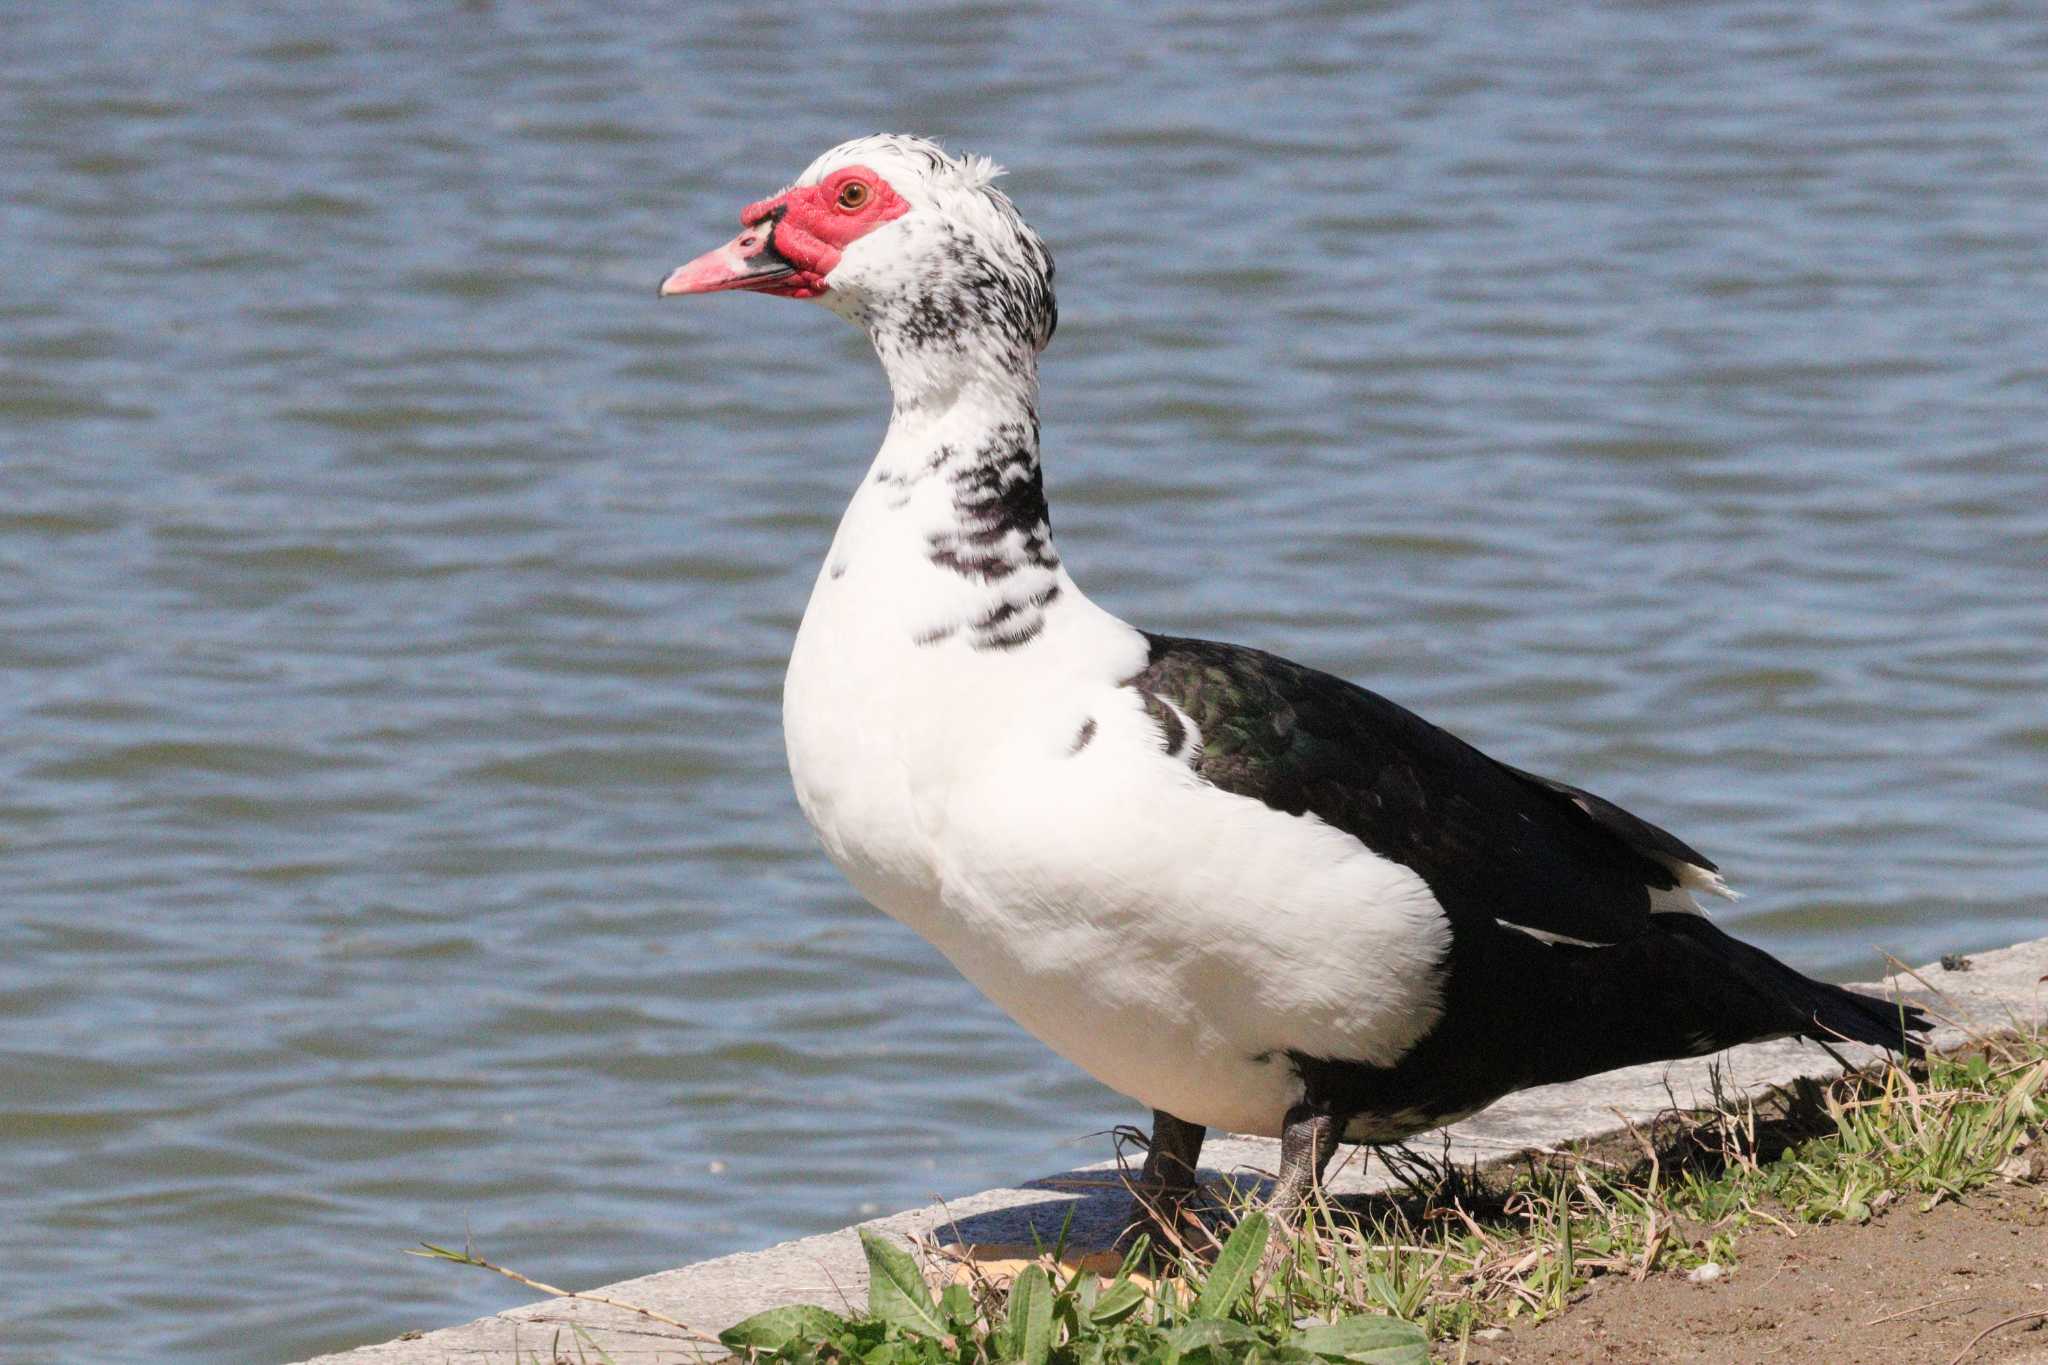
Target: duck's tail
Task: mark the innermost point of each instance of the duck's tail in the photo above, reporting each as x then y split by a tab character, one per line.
1686	989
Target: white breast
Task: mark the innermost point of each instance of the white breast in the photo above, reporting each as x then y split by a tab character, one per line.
1177	941
1172	939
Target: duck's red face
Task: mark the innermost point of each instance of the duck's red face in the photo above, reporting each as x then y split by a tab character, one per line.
792	242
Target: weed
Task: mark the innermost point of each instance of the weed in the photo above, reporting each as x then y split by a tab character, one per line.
1453	1249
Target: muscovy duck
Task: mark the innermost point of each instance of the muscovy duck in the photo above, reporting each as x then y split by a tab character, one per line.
1247	894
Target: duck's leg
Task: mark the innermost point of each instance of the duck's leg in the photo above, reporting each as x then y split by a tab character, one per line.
1168	1178
1307	1142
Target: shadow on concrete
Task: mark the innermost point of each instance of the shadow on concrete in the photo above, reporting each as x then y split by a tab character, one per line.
1087	1208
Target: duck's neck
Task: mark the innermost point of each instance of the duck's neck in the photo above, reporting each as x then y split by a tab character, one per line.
955	505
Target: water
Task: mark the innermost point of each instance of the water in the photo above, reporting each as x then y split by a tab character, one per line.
393	597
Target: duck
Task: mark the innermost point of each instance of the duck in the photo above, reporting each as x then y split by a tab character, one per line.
1247	894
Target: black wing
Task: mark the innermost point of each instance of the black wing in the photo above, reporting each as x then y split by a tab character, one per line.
1491	841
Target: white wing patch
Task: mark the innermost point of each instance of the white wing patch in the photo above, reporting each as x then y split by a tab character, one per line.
1693	877
1190	749
1545	936
1692	880
1671	900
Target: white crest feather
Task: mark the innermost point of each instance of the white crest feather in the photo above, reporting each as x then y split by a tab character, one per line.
921	154
979	171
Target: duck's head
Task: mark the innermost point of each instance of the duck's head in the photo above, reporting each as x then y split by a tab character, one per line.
917	246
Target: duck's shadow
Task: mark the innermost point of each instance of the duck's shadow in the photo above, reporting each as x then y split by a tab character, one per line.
1088	1210
1085	1210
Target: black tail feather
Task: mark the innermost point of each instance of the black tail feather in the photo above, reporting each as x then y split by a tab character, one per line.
1685	989
1522	1011
1828	1013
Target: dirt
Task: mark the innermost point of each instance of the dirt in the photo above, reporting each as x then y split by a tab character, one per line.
1907	1288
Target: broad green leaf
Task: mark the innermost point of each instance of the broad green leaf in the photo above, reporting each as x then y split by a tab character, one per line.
1203	1334
1234	1268
1066	1315
778	1327
1030	1325
1118	1302
956	1305
897	1293
1369	1340
1265	1353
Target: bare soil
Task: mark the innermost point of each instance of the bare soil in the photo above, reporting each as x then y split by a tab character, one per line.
1907	1288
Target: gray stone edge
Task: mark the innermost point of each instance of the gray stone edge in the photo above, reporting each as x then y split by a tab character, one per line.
2001	989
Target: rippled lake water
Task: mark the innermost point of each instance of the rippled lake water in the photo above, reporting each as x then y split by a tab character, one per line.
394	833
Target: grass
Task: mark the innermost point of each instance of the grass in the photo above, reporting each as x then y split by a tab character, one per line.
1461	1250
1454	1250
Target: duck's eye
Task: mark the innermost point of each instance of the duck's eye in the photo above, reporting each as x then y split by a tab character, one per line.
853	195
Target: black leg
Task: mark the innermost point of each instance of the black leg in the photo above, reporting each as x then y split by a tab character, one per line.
1307	1143
1168	1178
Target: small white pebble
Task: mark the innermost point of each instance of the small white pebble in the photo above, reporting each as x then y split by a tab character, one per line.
869	1208
715	1167
1706	1274
1490	1333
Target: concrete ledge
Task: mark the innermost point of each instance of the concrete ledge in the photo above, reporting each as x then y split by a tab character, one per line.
1999	990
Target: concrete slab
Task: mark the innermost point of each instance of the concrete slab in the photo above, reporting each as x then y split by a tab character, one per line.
1998	990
